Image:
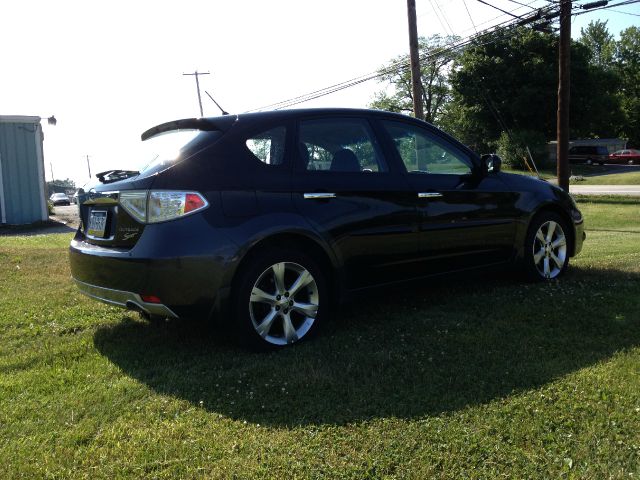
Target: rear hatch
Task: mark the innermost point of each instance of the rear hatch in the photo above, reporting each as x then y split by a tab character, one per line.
114	211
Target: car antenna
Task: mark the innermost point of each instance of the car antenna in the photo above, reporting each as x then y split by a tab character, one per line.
217	104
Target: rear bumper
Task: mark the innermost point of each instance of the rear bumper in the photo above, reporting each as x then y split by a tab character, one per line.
120	298
188	273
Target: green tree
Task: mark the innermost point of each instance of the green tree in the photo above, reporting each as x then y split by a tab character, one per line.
601	44
60	185
434	68
509	81
628	66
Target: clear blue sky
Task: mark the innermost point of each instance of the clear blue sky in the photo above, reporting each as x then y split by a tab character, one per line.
110	70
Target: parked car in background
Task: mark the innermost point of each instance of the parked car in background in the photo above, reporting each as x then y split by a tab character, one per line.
588	155
264	220
74	198
631	157
60	199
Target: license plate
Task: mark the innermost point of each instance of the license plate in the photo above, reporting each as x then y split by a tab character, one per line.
97	223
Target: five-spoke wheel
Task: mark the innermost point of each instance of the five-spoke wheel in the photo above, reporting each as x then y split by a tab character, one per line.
278	299
546	247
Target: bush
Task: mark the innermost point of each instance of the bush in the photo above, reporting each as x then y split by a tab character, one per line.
513	149
50	207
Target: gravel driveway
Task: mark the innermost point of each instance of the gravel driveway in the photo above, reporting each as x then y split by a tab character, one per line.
64	220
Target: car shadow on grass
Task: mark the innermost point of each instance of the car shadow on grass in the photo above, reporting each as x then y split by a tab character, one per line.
424	349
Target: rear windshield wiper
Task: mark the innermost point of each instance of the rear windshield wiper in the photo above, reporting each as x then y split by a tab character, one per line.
110	176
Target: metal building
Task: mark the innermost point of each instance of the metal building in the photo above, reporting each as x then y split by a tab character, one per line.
22	184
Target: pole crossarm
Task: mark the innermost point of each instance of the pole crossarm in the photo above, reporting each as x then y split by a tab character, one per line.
197	74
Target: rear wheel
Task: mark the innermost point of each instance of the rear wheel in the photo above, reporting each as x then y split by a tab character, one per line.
546	247
280	299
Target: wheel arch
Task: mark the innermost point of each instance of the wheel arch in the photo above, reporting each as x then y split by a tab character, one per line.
299	241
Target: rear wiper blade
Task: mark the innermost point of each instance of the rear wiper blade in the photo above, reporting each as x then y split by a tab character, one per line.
109	176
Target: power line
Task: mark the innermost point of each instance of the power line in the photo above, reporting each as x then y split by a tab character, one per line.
626	13
607	7
498	8
468	13
522	4
401	64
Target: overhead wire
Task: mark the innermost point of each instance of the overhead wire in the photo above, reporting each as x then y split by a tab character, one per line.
400	64
470	18
403	63
443	16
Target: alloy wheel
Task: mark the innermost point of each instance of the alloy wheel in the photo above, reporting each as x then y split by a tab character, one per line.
550	249
284	303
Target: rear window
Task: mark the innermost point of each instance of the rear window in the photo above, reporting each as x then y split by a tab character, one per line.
163	151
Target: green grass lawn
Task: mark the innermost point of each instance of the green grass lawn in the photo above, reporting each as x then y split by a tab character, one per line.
591	175
629	178
482	377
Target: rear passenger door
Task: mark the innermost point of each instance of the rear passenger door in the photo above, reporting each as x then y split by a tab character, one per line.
344	186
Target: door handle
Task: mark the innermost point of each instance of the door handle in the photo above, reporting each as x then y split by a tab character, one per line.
319	195
429	195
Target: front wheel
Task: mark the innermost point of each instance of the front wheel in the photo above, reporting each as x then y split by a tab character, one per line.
546	254
280	299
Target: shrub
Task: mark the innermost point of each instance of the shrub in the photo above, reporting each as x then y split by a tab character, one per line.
513	149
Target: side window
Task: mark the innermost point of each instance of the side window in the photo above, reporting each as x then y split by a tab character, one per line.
339	145
422	152
268	147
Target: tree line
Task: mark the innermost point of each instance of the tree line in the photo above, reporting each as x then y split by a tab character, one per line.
500	91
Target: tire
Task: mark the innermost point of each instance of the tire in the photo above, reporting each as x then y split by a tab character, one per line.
546	247
280	298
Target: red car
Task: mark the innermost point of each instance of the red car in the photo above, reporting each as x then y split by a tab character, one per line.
625	156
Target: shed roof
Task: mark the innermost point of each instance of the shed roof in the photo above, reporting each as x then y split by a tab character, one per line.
19	119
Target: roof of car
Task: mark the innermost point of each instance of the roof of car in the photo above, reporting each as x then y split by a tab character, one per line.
297	112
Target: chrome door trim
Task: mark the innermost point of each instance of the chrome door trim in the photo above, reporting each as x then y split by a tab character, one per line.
319	195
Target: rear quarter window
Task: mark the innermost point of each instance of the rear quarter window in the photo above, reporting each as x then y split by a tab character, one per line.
268	146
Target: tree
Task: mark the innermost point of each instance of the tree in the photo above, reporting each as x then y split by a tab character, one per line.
509	81
55	186
628	66
434	79
601	45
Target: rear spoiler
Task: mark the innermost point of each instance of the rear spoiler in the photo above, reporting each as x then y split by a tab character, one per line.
202	124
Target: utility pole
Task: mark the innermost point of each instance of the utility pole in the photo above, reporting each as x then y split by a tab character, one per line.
51	167
196	74
564	70
414	55
88	166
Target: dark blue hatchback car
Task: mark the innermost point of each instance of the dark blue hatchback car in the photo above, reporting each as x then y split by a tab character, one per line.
266	219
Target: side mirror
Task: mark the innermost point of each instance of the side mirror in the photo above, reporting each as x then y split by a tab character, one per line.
491	163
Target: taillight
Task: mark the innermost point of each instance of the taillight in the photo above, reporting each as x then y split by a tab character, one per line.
161	205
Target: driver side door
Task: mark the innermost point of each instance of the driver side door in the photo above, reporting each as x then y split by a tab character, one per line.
466	218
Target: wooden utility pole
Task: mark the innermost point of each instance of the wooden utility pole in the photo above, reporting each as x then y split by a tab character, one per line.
88	166
196	74
414	55
564	70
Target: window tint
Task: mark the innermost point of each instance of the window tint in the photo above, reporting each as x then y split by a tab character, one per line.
339	145
423	152
268	147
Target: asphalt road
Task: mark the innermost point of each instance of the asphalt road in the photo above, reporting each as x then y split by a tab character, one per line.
632	190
